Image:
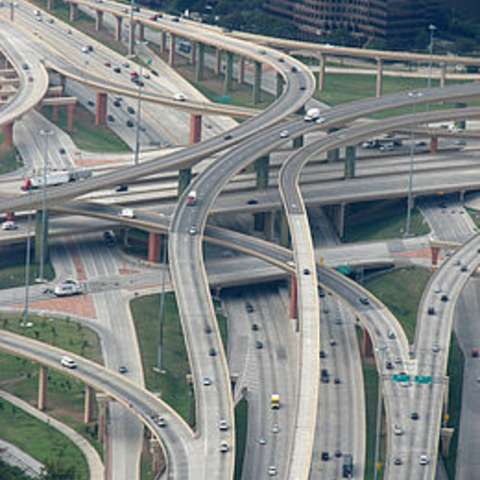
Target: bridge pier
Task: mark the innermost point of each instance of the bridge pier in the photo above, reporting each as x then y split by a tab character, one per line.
379	83
98	20
8	132
154	247
101	109
193	53
163	42
200	64
42	388
73	12
367	345
338	213
298	142
262	169
195	128
280	83
446	434
141	32
257	84
218	61
350	153
241	70
184	179
118	29
228	82
433	145
171	56
50	4
10	216
284	230
321	72
88	411
41	242
269	227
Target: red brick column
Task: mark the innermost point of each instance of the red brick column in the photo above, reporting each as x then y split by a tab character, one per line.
433	145
101	110
195	128
154	247
8	131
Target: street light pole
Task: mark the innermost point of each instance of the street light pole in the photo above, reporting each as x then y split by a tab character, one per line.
162	304
130	38
431	29
379	422
27	264
413	95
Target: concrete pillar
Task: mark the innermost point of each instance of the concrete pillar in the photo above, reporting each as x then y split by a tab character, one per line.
379	85
433	145
218	61
446	434
259	221
321	72
89	407
367	344
241	70
102	400
184	179
40	239
171	56
339	219
141	32
73	12
269	227
118	29
350	152
98	20
63	83
70	111
193	53
435	252
156	453
284	231
101	109
298	141
55	113
42	388
334	154
10	216
163	42
8	132
195	128
154	247
257	83
293	298
443	74
199	67
262	168
280	83
228	83
50	4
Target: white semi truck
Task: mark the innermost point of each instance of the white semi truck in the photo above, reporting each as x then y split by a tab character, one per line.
55	178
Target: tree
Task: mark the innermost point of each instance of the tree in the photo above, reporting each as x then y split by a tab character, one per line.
58	470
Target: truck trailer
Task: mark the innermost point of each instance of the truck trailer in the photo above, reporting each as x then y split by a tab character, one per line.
55	178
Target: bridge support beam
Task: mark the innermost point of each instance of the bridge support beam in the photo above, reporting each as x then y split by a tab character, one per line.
88	411
101	109
280	83
446	434
443	74
195	128
284	231
200	64
298	142
98	20
218	61
73	12
241	70
184	179
262	168
154	247
379	83
118	28
42	388
70	111
171	56
41	242
257	84
350	152
367	345
228	81
433	145
50	4
293	298
8	132
321	72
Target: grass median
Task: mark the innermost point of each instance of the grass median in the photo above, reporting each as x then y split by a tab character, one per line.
10	159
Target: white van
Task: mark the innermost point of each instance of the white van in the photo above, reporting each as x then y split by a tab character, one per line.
68	362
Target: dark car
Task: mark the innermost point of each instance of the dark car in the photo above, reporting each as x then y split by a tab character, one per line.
122	369
129	124
130	110
322	354
227	137
364	301
117	103
258	345
444	298
255	327
62	151
415	416
249	307
110	118
208	329
431	310
325	456
117	70
212	352
121	188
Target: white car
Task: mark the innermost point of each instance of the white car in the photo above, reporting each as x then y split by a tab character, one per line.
284	134
423	460
67	289
223	425
179	97
272	471
397	430
68	362
9	225
126	213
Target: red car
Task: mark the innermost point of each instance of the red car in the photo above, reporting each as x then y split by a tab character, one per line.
474	352
107	64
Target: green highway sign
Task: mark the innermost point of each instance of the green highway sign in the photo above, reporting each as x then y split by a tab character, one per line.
424	379
401	377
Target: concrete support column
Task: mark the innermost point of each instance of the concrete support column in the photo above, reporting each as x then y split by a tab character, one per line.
141	32
171	56
200	66
8	132
435	252
102	400
98	20
154	247
63	83
42	388
40	239
446	434
321	72
257	84
101	109
379	85
284	231
73	12
433	145
89	407
10	216
350	152
280	83
443	74
193	53
269	227
262	168
70	111
241	70
218	61
55	113
195	128
184	179
461	124
50	4
298	142
334	154
367	344
259	221
156	453
339	219
163	42
118	29
293	298
228	82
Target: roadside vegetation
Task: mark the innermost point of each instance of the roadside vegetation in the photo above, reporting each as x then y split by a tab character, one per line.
9	157
241	430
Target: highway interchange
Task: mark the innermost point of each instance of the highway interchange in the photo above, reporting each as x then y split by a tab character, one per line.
188	275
